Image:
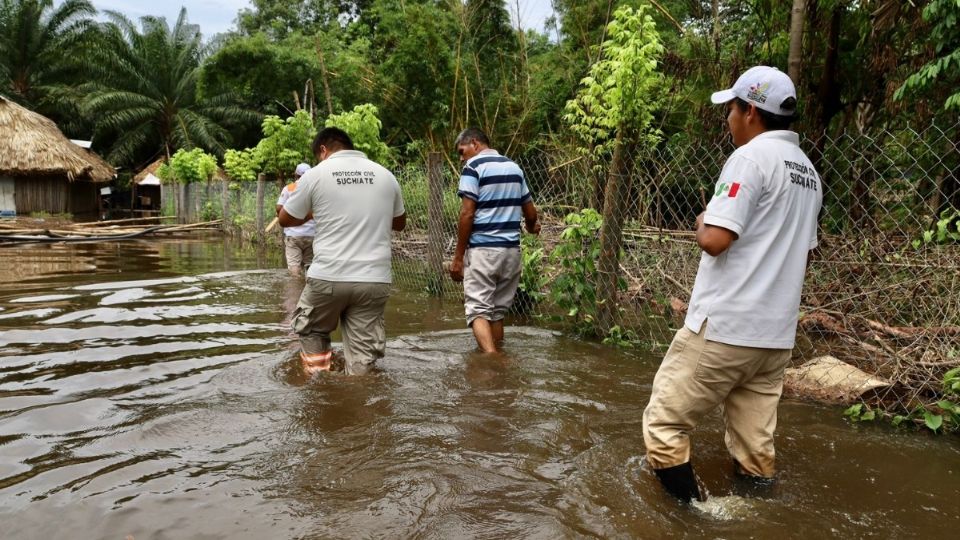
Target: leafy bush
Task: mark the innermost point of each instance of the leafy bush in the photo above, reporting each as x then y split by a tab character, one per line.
363	126
533	279
187	166
574	260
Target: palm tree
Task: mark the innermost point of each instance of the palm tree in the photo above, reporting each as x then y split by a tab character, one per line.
146	98
41	53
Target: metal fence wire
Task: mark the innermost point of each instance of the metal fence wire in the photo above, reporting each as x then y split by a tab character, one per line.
880	312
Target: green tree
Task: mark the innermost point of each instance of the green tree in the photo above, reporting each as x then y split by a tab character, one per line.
413	72
944	19
42	46
363	126
613	114
146	98
285	144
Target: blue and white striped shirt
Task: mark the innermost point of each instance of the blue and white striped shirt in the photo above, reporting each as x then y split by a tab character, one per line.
499	189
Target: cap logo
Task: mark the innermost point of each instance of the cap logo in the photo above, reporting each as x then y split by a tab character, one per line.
758	92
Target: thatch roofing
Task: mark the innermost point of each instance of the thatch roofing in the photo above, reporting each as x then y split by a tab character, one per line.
149	169
32	145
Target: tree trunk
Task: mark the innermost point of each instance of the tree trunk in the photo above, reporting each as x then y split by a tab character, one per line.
795	52
611	235
325	77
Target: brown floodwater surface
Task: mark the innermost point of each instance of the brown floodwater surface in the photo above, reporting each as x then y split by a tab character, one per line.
152	390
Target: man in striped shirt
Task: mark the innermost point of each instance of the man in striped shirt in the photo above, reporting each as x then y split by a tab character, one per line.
494	196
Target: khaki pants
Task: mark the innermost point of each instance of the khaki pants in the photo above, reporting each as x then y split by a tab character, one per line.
490	280
698	375
299	252
356	307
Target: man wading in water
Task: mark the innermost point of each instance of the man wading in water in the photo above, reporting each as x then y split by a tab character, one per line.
355	204
493	195
756	235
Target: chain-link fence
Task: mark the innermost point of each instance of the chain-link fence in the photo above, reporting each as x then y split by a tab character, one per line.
880	313
881	294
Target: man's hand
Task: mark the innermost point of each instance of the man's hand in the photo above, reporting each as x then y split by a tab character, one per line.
699	222
456	270
534	228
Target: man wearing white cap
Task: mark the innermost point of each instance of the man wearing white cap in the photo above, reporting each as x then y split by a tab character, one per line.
756	234
298	240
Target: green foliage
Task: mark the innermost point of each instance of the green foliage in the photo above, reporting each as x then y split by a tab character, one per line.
574	260
617	100
414	71
944	35
144	92
261	73
363	126
241	165
42	47
621	337
942	416
187	166
415	188
533	279
946	230
285	144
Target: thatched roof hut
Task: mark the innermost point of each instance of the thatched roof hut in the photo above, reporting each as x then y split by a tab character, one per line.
32	145
45	170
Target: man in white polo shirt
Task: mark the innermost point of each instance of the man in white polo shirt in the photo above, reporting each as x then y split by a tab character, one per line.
355	203
297	241
756	235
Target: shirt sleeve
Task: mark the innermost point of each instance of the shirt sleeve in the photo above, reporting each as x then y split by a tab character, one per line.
398	209
469	184
299	203
284	195
735	195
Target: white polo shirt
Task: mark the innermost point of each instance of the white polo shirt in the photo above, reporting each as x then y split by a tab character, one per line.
354	201
769	195
308	228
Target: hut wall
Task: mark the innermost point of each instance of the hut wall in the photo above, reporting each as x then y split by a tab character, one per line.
83	198
42	195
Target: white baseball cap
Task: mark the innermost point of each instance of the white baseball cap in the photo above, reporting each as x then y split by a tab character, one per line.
301	169
764	86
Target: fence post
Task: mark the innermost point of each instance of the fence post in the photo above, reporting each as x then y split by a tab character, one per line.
181	202
611	237
225	201
435	222
261	187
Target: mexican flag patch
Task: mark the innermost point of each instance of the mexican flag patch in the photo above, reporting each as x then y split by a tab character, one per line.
727	189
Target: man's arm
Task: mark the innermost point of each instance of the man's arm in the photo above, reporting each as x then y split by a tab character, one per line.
530	217
279	208
286	220
400	222
712	239
468	209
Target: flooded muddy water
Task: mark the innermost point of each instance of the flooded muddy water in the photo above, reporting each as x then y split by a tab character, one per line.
152	390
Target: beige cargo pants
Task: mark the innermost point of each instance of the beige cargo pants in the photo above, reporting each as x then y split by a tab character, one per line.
357	308
299	253
698	375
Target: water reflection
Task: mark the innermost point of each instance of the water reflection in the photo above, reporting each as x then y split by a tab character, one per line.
156	392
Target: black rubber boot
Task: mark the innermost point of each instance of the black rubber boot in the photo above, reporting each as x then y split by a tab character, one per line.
680	481
748	485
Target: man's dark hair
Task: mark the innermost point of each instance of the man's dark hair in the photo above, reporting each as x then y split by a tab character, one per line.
472	134
333	138
773	121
